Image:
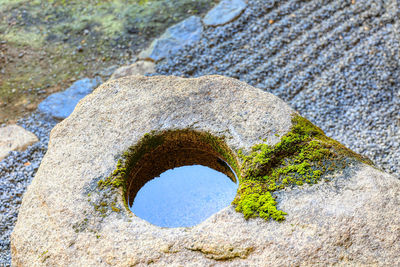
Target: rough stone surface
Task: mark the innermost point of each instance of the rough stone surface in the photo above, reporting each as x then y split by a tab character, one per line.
226	11
348	221
140	67
60	105
14	137
174	39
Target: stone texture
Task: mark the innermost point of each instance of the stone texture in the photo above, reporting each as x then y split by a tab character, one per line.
226	11
60	105
174	39
140	67
348	221
14	137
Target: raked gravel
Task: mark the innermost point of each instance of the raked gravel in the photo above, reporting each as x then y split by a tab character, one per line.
336	62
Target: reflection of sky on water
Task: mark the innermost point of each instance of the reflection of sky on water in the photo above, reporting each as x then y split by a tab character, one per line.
184	196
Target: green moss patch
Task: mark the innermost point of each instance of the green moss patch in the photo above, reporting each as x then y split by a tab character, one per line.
128	160
303	156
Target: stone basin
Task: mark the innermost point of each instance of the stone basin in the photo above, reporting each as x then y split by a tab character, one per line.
75	212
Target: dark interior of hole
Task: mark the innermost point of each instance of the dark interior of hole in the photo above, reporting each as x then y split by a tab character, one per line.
171	154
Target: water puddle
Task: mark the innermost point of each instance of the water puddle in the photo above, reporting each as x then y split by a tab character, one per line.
184	196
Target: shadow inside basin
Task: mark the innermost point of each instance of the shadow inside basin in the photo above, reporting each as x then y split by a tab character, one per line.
184	196
185	176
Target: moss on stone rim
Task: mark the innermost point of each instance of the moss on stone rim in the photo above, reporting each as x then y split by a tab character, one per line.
303	155
119	178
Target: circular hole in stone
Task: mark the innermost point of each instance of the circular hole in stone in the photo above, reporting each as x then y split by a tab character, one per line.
184	196
180	178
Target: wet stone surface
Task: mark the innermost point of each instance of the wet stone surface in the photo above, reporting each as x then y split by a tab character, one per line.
184	196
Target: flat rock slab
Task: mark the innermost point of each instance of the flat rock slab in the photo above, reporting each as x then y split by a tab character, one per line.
225	12
14	137
60	105
174	39
351	220
140	67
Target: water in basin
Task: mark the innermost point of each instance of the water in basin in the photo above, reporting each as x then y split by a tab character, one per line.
184	196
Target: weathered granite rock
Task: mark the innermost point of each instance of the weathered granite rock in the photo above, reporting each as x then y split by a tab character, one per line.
60	105
14	137
67	219
173	39
140	67
226	11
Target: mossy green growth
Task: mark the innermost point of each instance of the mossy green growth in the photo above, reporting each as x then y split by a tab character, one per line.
303	155
117	179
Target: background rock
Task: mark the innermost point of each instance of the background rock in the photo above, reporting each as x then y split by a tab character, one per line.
141	67
174	39
60	105
350	220
14	137
226	11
